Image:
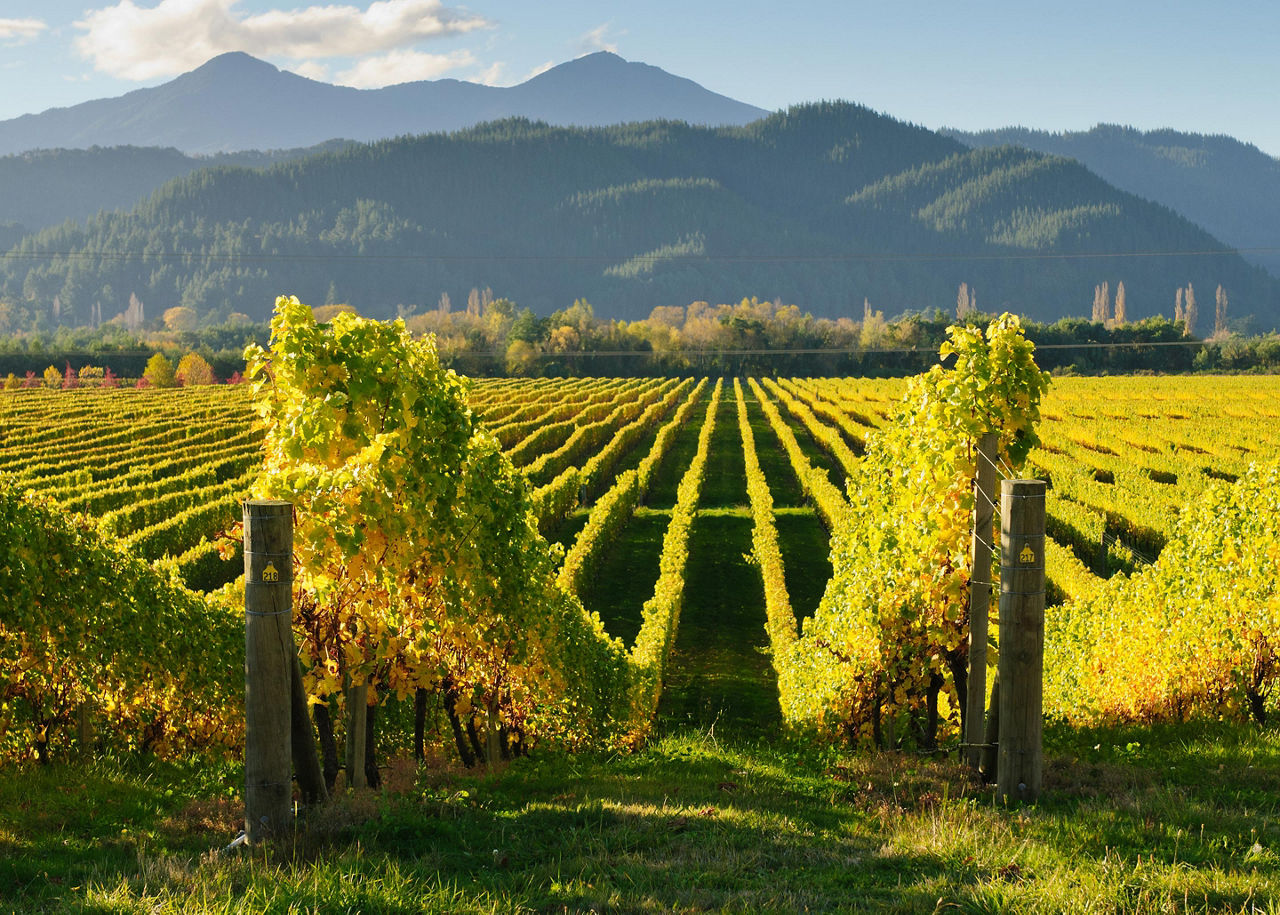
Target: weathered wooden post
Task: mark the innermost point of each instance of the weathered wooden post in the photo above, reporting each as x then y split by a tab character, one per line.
984	507
84	727
357	733
493	735
306	761
268	667
1020	768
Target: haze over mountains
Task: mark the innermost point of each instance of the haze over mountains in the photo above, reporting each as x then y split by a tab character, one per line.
822	205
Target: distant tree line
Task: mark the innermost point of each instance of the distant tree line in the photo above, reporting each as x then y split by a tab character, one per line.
495	337
486	335
125	350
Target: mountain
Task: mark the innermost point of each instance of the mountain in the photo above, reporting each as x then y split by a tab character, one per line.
821	205
236	102
48	186
1230	188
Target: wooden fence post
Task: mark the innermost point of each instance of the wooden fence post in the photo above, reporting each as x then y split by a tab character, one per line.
1020	768
268	668
357	718
984	498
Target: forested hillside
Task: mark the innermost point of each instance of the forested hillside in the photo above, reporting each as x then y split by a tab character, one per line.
49	186
1230	188
823	205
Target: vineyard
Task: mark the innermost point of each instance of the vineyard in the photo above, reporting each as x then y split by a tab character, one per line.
743	583
1162	561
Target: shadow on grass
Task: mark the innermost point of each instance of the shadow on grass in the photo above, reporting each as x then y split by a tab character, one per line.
720	674
774	464
806	559
1134	819
626	575
689	825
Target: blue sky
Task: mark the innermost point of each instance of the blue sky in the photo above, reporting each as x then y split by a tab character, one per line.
1209	68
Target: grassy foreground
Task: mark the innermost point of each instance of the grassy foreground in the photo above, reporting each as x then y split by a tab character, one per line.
1166	820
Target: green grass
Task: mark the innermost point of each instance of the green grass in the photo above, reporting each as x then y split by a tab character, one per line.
1181	819
783	485
662	492
719	677
806	558
626	574
724	483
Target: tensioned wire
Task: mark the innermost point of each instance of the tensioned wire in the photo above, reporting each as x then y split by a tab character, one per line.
1008	474
648	258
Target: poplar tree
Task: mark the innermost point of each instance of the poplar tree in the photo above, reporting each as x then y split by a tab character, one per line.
1189	311
1220	311
1121	316
1102	303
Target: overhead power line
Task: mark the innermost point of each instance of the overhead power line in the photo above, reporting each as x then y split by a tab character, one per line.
853	257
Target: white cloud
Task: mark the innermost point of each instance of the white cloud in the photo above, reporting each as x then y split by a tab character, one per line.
16	31
174	36
595	40
402	67
312	69
490	75
496	74
538	70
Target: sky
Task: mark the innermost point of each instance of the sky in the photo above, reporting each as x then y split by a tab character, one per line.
1193	66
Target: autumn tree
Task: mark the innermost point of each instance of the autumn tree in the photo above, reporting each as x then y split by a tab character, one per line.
159	372
180	319
874	326
326	313
194	369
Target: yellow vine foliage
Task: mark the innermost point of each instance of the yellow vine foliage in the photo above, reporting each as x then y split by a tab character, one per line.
417	551
874	659
1196	633
89	628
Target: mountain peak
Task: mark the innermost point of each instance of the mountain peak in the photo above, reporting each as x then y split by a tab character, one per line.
597	65
234	71
600	57
234	62
237	102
